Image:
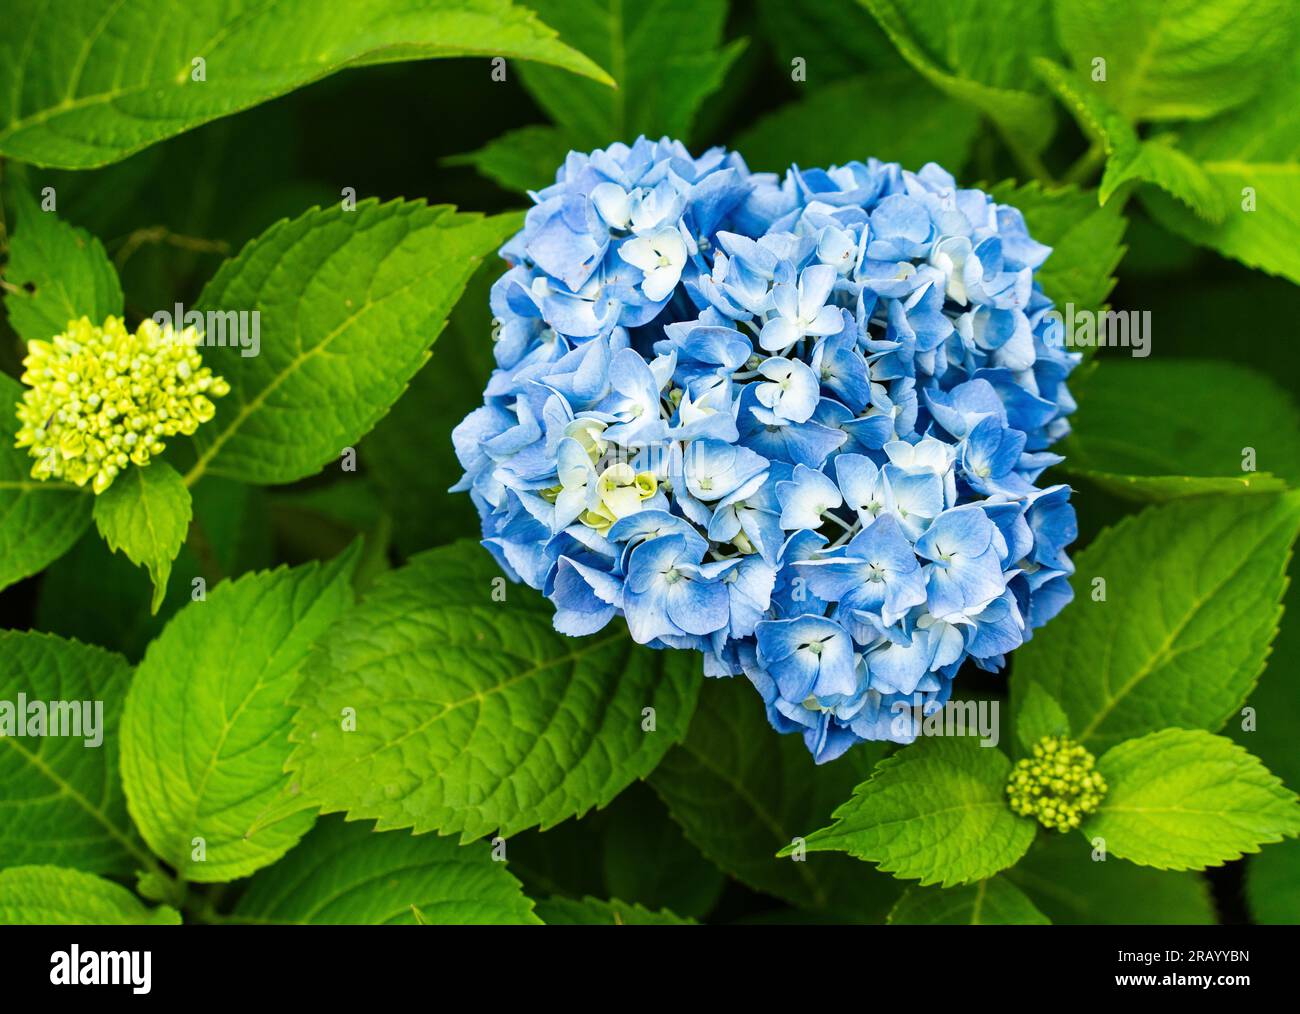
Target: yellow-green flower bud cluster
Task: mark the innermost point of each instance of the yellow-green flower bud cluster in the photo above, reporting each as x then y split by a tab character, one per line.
101	398
1058	785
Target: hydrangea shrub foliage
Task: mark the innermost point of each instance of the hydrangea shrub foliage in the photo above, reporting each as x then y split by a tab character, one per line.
748	491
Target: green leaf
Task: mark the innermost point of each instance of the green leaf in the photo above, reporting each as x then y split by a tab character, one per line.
648	860
594	912
205	729
740	792
1155	161
1183	799
834	39
936	812
892	116
1163	448
523	159
145	513
1039	715
348	874
666	55
1273	885
53	896
472	713
1252	158
39	521
1190	605
979	60
93	82
349	302
60	273
1177	59
61	799
1086	241
1064	881
992	902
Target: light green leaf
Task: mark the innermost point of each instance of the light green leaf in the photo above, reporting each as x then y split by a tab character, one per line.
740	792
1086	241
1039	715
61	799
1183	799
1252	158
1177	59
522	160
205	730
85	84
594	912
666	55
1155	161
1146	448
350	302
472	713
936	812
992	902
39	521
1066	883
1190	605
979	60
891	116
60	273
145	513
1273	885
53	896
349	874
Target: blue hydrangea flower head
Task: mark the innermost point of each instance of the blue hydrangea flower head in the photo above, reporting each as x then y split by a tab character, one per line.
793	423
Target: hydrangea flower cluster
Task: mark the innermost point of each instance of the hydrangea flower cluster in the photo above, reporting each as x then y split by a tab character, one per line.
793	423
101	398
1057	785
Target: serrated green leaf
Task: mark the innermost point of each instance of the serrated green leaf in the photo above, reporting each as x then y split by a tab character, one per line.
205	729
992	902
146	513
61	799
60	273
472	714
350	302
740	792
1064	881
666	55
1161	449
53	896
1273	884
1177	59
595	912
76	90
981	61
524	159
894	117
1039	715
39	521
936	812
1183	799
1086	241
1252	158
1128	158
1191	603
347	873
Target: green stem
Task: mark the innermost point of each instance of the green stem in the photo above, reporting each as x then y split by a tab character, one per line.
1089	162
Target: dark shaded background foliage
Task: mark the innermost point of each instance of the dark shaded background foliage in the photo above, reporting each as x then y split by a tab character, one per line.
386	131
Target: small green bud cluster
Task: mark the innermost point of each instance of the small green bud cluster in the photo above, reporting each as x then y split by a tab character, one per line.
101	398
1058	785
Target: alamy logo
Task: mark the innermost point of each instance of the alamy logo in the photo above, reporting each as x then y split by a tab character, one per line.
73	719
74	967
1100	329
217	328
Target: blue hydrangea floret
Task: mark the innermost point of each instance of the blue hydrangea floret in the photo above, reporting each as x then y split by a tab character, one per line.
794	423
